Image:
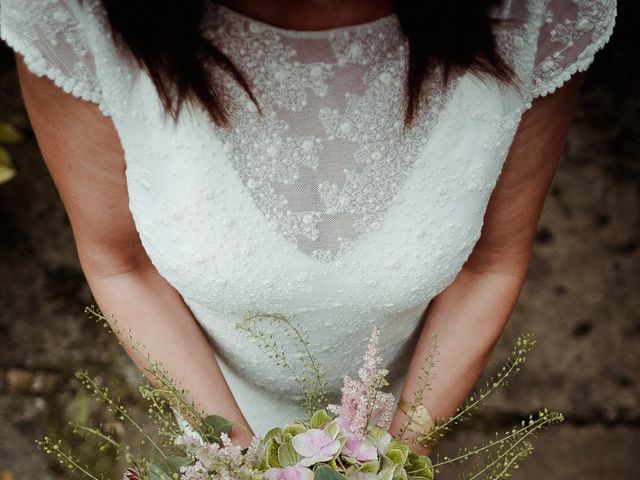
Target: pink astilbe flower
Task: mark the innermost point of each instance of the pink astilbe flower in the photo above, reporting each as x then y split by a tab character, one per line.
363	403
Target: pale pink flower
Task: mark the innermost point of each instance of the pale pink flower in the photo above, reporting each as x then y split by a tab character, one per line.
363	403
315	446
295	472
361	450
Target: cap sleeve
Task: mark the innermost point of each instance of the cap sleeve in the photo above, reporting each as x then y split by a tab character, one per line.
50	36
570	34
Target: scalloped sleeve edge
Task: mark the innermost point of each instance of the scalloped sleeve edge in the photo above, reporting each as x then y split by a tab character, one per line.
580	65
37	64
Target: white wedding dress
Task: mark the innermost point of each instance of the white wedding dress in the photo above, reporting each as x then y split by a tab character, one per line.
321	208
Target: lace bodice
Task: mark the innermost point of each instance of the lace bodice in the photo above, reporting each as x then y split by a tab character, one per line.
320	207
326	159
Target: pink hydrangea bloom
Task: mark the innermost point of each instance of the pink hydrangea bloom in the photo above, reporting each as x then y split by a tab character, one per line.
315	446
361	450
295	472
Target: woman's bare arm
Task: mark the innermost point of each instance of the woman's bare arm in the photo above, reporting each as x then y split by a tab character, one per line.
84	156
471	313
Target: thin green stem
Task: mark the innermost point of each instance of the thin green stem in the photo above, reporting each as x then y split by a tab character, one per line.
97	433
512	365
73	463
527	430
99	390
508	466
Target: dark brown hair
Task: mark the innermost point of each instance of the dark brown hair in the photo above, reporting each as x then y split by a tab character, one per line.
167	42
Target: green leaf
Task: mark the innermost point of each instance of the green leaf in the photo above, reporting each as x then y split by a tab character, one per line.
7	172
380	438
156	473
212	426
287	455
294	429
177	462
386	473
397	455
273	433
271	455
371	466
419	467
332	429
323	472
319	418
9	134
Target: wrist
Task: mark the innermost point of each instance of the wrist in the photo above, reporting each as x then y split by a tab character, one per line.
414	423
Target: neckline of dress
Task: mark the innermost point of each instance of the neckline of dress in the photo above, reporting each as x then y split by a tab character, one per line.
259	25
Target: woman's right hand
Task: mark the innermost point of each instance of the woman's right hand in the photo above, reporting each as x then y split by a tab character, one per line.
82	151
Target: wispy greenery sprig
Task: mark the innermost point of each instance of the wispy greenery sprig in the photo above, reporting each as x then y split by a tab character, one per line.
523	346
164	385
63	453
504	454
425	377
114	405
308	373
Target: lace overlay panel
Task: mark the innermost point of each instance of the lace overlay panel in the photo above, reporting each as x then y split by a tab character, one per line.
328	155
56	48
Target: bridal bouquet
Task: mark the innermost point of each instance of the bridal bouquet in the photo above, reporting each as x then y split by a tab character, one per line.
349	440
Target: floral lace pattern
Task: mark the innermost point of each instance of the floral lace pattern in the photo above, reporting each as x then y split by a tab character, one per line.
328	155
56	48
571	32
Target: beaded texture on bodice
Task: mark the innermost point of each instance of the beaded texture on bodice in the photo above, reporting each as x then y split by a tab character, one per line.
320	206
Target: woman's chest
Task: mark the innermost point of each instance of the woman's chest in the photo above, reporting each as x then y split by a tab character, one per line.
248	222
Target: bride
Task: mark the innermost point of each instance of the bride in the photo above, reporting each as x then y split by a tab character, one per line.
349	163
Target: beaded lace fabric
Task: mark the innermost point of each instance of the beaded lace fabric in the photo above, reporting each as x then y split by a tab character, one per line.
320	208
328	156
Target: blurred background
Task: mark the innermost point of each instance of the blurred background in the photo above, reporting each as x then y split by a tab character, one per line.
581	299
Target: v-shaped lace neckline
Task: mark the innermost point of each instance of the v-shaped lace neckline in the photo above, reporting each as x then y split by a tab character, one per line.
328	156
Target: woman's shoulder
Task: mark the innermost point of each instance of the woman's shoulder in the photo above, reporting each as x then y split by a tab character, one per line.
54	37
547	41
